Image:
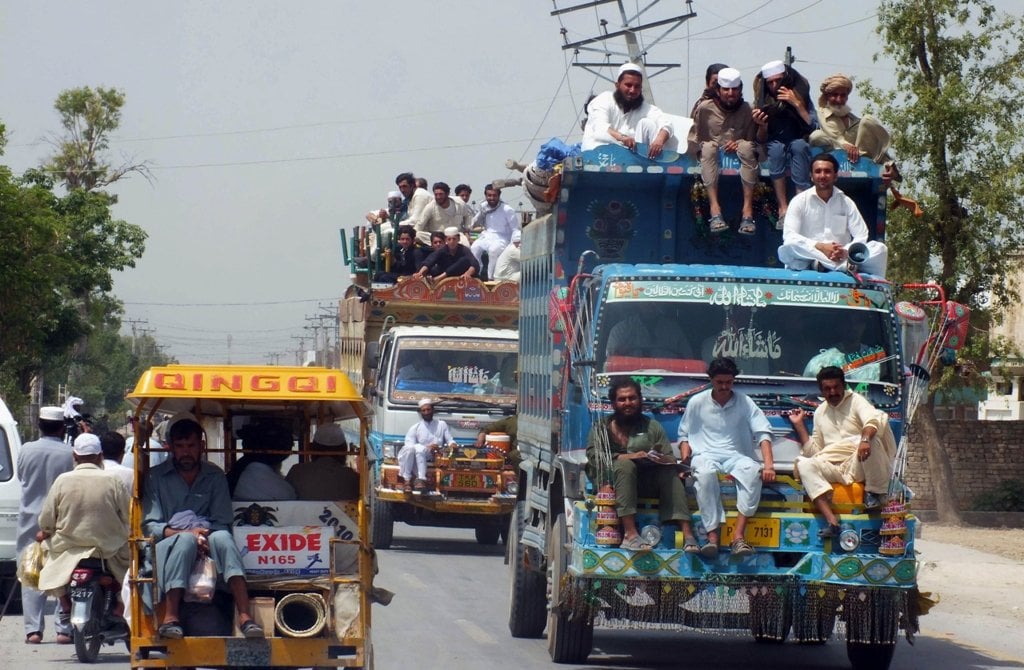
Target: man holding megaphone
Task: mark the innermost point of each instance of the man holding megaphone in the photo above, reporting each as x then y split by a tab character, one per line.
824	229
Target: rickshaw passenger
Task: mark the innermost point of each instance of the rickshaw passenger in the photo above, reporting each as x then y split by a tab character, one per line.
188	505
326	477
257	475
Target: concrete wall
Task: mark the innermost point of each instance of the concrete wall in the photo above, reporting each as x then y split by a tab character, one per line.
982	454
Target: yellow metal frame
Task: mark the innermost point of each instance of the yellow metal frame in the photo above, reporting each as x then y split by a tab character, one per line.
319	395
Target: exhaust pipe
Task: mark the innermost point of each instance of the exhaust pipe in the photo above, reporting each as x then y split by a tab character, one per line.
301	614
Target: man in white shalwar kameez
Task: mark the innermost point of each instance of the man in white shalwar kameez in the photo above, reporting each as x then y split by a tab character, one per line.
498	222
623	117
424	437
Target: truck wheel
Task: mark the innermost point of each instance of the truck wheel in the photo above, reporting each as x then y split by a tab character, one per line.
382	524
570	638
487	534
869	656
528	599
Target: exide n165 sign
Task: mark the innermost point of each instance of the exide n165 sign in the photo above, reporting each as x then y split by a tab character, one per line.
303	550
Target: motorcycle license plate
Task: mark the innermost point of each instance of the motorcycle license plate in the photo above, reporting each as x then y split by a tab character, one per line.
79	593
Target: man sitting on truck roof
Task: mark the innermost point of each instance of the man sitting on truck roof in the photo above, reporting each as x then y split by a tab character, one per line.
623	116
406	258
852	442
454	259
724	123
642	465
441	213
414	198
719	430
187	507
823	222
842	129
496	222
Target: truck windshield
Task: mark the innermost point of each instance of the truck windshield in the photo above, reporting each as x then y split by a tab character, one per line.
779	335
481	369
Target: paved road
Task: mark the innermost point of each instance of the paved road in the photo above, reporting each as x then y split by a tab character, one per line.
450	613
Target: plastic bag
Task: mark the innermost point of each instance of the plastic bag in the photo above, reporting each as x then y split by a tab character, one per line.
202	581
31	563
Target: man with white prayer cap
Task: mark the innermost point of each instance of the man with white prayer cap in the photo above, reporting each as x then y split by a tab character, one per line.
623	117
724	122
40	462
85	515
424	438
454	259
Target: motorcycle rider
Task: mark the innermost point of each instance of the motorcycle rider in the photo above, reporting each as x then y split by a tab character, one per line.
85	515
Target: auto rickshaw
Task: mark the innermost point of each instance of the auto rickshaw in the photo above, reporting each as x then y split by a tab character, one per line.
309	564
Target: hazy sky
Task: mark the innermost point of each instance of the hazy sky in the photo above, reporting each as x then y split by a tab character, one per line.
269	126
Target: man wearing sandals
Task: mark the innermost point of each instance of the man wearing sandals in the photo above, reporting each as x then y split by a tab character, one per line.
719	430
642	464
424	438
188	505
724	122
852	442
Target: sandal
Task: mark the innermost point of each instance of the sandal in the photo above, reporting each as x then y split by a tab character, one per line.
34	638
690	545
740	548
252	630
747	226
635	543
171	630
709	550
717	224
420	485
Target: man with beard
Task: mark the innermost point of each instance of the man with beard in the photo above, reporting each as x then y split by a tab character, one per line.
724	122
710	88
852	442
840	128
642	465
424	438
719	431
783	99
443	212
623	117
498	221
822	224
188	505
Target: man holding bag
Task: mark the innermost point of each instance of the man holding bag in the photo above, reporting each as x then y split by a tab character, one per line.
188	505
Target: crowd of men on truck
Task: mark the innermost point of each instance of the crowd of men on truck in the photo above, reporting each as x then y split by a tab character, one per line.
430	237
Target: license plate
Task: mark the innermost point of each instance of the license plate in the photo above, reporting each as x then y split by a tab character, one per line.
462	480
79	593
760	532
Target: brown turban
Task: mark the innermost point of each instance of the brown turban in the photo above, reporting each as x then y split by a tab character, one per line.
836	82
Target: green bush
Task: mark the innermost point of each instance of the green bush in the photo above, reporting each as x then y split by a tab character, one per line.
1007	496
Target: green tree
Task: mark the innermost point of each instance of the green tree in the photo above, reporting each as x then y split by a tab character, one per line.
89	117
955	118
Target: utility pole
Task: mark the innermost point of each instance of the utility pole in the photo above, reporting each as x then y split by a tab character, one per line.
631	29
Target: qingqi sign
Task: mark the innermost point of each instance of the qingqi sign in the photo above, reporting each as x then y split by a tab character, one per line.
303	550
213	382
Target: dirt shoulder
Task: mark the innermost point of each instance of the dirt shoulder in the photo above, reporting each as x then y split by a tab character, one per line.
1005	542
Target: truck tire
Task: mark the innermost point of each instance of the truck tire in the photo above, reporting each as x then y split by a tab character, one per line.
570	639
382	524
487	534
528	605
869	656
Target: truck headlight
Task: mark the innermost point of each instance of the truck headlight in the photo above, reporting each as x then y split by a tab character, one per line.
849	540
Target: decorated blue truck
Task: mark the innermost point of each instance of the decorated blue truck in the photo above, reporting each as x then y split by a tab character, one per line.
629	236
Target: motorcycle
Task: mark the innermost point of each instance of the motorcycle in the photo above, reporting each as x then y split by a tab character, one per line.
93	592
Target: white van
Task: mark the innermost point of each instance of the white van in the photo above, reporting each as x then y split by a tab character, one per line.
10	500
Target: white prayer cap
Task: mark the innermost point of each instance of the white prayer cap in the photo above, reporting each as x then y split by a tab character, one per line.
517	236
729	77
86	444
629	67
51	413
451	231
424	402
394	195
769	69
